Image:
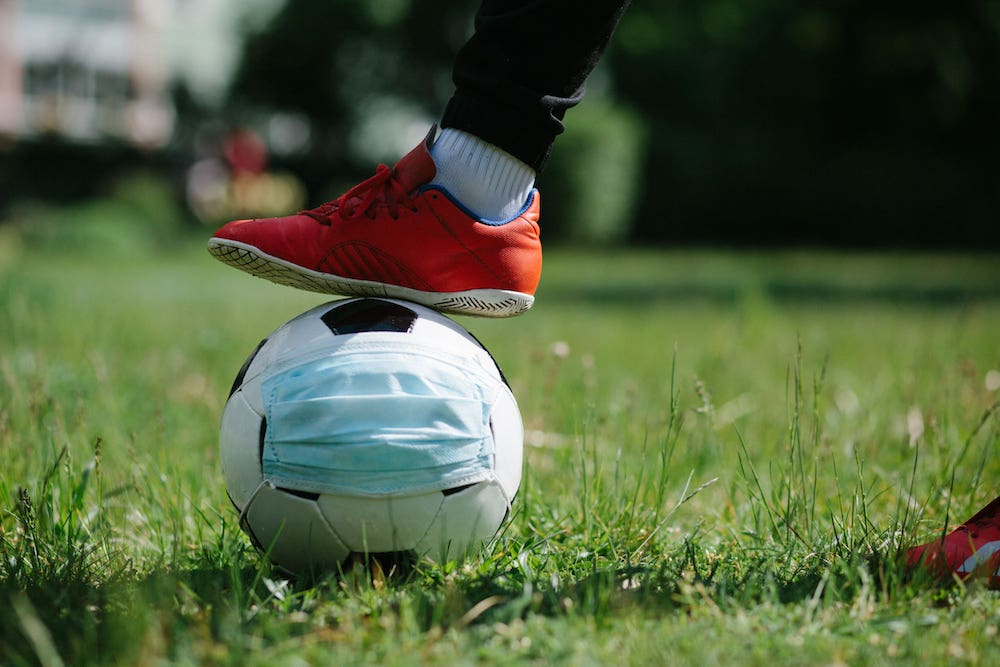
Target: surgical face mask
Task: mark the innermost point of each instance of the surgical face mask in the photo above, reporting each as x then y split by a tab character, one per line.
371	419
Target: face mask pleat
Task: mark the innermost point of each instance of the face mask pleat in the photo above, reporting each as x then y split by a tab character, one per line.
370	421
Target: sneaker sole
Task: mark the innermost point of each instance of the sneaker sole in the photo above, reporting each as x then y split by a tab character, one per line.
477	302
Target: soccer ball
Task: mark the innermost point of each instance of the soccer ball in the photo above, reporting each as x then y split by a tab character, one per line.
370	426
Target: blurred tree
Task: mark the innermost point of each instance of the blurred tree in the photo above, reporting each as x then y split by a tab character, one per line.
847	122
334	61
592	182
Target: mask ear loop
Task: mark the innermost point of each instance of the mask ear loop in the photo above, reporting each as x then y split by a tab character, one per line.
243	512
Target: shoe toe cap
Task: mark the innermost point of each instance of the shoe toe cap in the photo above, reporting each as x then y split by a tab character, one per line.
293	238
267	232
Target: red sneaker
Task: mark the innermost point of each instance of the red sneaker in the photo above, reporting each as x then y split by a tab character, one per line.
395	236
971	550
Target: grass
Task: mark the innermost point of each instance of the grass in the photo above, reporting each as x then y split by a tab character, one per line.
725	454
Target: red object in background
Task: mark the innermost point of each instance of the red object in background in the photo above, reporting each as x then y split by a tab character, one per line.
245	152
971	550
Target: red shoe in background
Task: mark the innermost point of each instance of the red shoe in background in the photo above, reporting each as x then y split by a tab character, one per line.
395	236
971	550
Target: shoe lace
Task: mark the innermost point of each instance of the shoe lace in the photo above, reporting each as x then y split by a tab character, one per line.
382	190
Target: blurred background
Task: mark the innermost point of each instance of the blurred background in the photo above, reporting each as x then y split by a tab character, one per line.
735	123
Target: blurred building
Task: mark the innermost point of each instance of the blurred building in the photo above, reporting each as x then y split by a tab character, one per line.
85	71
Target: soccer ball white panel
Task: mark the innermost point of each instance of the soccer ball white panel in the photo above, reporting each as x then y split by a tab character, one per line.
302	333
293	532
240	457
378	525
508	437
251	393
468	519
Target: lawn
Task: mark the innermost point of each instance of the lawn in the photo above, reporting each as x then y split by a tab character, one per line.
725	453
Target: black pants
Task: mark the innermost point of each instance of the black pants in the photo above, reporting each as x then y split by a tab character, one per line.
525	65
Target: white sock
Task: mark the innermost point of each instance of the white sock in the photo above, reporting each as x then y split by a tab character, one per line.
490	182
